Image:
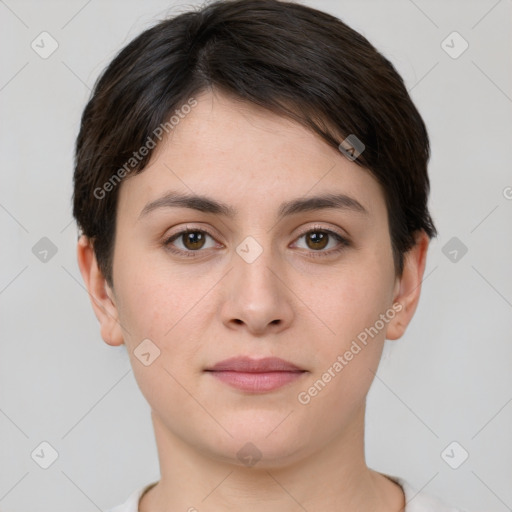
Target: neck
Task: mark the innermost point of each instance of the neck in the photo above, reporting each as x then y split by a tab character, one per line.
333	478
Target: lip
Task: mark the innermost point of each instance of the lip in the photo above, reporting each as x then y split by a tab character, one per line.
256	375
251	365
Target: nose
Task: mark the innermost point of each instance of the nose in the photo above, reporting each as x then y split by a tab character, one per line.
258	297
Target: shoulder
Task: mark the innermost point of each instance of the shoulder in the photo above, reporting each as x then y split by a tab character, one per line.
132	502
419	501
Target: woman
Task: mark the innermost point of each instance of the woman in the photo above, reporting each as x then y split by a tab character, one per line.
251	186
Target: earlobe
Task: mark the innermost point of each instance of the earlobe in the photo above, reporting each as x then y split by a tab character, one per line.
408	286
101	295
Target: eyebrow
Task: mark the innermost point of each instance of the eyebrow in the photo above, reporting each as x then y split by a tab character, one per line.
209	205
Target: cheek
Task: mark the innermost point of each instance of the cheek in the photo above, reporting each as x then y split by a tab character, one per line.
349	303
350	350
349	353
164	305
160	309
154	296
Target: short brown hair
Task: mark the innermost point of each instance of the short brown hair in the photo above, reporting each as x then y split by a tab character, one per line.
285	57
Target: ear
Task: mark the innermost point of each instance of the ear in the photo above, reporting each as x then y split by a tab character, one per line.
408	287
101	295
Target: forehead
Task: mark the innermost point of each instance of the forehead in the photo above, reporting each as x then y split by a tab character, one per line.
239	152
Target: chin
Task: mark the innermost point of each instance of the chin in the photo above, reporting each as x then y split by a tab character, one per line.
260	447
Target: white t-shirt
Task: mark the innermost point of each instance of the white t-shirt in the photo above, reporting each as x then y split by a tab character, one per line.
415	501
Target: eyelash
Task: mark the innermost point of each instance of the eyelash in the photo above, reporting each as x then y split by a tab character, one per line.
344	243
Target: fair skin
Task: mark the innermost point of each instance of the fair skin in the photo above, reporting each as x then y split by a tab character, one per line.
286	303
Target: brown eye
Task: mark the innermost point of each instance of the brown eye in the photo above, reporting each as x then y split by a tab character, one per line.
188	241
317	239
193	240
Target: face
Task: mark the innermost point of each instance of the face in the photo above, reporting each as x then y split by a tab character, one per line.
269	274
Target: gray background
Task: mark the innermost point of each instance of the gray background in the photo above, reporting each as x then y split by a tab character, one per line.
448	379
